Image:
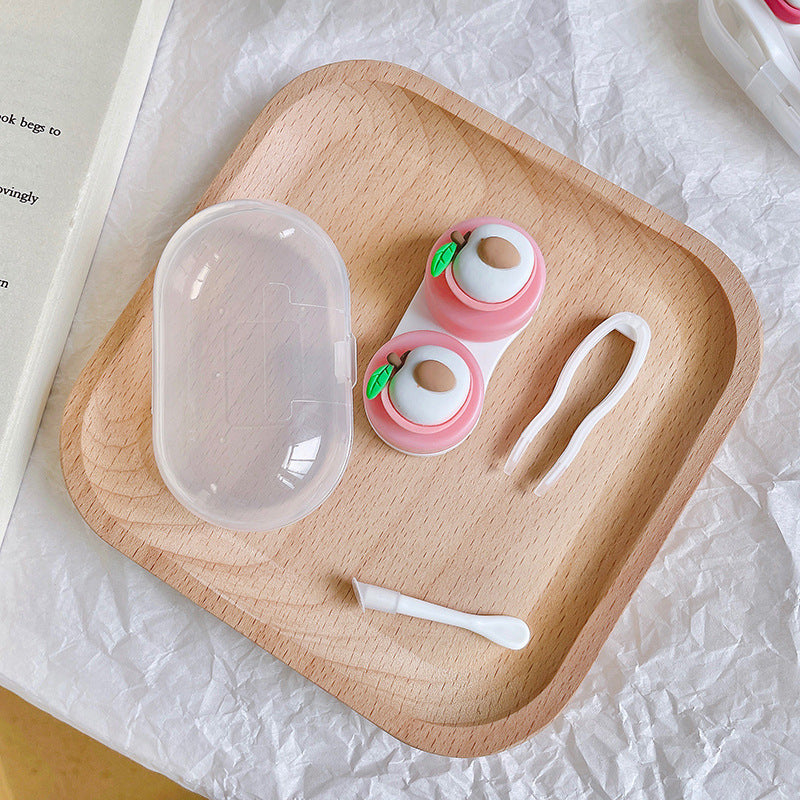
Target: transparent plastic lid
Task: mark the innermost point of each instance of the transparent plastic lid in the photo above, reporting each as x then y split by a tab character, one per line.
253	365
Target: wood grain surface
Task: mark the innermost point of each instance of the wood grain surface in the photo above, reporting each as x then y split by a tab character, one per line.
385	159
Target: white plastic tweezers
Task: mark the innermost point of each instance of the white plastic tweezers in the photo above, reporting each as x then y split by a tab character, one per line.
628	324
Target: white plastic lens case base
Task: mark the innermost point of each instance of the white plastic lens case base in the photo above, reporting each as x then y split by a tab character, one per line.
253	365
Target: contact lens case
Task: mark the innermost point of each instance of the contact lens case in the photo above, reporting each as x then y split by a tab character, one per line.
423	391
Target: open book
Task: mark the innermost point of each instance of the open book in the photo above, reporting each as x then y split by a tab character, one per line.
72	78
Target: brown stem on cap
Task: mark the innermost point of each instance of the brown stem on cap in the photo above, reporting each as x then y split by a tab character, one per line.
397	361
459	238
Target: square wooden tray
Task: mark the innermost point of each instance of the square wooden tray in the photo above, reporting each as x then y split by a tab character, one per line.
385	159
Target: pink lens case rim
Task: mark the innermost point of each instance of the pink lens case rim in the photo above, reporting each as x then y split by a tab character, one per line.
784	11
471	319
407	436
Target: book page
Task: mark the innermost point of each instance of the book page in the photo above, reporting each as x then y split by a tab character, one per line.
58	63
65	121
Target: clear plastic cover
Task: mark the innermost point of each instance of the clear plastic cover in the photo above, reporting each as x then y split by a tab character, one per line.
253	365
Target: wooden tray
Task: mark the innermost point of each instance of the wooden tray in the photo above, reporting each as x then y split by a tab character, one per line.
385	159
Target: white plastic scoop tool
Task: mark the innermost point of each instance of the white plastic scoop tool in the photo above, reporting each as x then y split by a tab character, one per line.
508	632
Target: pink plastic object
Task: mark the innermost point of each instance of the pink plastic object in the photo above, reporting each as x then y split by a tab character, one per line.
470	319
784	11
443	314
407	436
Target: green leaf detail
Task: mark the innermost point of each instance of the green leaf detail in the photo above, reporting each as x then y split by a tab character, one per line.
378	380
442	258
